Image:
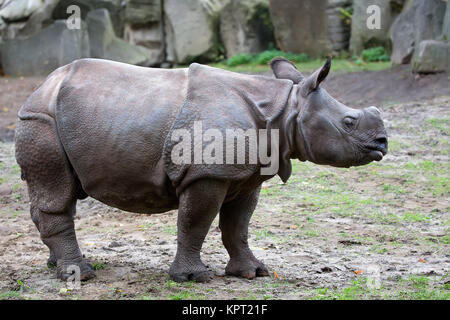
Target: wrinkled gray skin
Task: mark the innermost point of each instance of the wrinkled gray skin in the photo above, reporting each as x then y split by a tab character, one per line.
98	128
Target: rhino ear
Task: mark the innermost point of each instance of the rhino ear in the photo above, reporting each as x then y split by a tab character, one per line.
285	69
313	81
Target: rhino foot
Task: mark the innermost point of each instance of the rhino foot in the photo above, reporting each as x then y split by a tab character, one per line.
51	261
66	269
189	270
197	276
249	269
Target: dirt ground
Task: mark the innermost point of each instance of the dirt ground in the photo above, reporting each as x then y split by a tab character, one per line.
380	231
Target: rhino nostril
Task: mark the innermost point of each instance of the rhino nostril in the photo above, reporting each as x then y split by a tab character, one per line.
382	141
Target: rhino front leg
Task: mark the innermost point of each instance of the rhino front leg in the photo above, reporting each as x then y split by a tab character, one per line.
198	206
234	219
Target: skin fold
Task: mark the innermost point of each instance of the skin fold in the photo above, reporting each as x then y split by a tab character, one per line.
103	129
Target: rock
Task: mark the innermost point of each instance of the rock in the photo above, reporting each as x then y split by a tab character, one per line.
19	9
143	27
105	45
39	19
143	11
429	20
115	8
402	34
12	30
245	26
301	26
5	190
338	28
432	56
148	36
190	29
40	54
115	244
420	20
446	27
428	25
361	36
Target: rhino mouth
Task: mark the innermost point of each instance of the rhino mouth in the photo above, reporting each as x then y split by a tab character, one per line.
376	152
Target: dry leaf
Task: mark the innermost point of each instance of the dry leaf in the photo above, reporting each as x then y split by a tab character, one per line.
358	271
294	227
276	274
5	109
422	260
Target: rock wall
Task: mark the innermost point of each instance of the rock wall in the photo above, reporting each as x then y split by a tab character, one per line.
338	28
170	32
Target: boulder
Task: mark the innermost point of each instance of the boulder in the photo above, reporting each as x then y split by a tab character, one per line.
143	11
2	27
40	54
429	20
105	44
361	36
19	9
150	36
446	27
190	29
12	30
301	26
402	34
432	56
39	19
245	26
144	27
420	20
428	25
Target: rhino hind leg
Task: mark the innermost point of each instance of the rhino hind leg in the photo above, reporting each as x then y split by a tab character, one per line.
198	206
53	191
234	219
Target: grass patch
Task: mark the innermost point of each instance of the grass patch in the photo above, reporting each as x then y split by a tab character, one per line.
259	63
99	265
416	217
172	230
375	55
441	124
264	58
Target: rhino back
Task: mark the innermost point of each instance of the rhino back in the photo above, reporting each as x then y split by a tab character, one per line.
113	119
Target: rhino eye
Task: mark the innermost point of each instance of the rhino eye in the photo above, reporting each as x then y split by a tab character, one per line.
349	122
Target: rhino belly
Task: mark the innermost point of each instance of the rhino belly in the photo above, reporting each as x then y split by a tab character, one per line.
113	122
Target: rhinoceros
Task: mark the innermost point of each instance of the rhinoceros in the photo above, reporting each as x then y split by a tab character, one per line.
111	131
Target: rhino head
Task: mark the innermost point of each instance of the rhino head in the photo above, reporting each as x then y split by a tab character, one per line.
323	130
